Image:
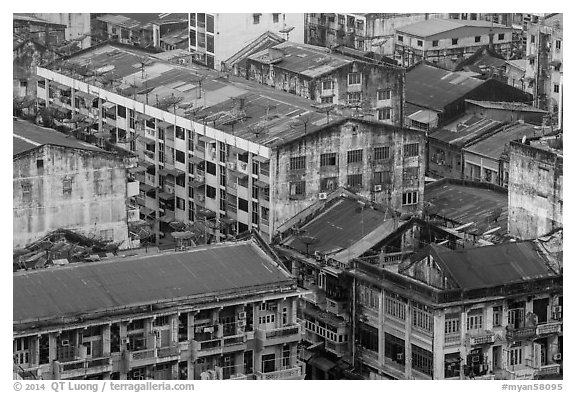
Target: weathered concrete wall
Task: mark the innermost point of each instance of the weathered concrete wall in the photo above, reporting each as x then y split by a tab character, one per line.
339	139
535	201
97	201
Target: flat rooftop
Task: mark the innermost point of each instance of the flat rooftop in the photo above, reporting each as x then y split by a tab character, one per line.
234	105
464	203
28	136
494	145
88	288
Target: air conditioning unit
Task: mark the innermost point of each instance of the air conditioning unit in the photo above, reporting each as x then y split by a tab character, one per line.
322	196
241	323
125	340
399	356
201	198
65	343
318	256
378	187
242	315
557	356
557	309
231	165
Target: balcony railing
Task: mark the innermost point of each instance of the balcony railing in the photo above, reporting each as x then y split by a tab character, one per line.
289	373
452	339
549	328
550	369
283	331
143	354
521	333
165	352
85	366
480	338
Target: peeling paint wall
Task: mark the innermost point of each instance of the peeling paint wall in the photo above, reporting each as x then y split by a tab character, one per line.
535	201
93	202
339	139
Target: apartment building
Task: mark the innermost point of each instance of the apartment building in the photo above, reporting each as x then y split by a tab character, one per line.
229	152
446	42
544	49
491	312
355	87
63	183
199	317
535	187
216	37
334	29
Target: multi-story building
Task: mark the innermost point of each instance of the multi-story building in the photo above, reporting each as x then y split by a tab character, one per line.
216	37
544	50
175	315
78	26
333	29
535	187
491	312
234	153
313	72
448	41
144	30
63	183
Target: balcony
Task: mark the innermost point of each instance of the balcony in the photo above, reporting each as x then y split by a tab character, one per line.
234	343
168	352
524	333
142	358
482	337
549	328
370	358
286	374
280	335
452	339
550	369
85	367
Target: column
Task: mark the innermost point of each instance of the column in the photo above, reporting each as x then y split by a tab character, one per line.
106	340
438	345
408	342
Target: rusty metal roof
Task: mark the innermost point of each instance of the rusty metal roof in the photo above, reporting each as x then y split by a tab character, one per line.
88	288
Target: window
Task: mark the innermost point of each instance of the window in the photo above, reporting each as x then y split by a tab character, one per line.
243	204
39	164
192	37
501	37
395	306
354	156
21	350
411	150
210	43
298	188
556	88
107	234
210	23
419	43
369	297
327	100
210	192
454	41
382	177
558	44
327	85
255	212
384	94
515	356
354	78
368	337
67	186
121	111
328	159
265	213
410	198
452	365
394	348
400	38
354	98
355	181
297	163
381	153
451	325
275	18
497	316
256	18
435	43
421	360
181	181
384	113
180	134
474	320
180	156
532	38
27	191
211	168
410	173
328	183
421	317
42	84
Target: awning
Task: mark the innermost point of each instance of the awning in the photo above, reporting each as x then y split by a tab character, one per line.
173	172
142	116
85	96
146	187
206	139
237	150
261	184
239	175
228	220
555	63
260	159
195	160
424	116
206	213
146	140
197	183
166	195
322	363
108	105
137	169
167	218
145	211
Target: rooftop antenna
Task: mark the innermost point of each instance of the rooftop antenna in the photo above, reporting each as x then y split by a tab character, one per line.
325	108
301	120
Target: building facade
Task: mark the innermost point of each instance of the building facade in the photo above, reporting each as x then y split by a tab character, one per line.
333	29
535	189
430	319
374	90
216	324
216	37
61	183
250	161
448	41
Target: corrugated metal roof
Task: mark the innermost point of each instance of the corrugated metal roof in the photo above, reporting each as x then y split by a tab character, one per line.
494	145
493	265
466	132
91	287
434	88
27	136
509	106
430	27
